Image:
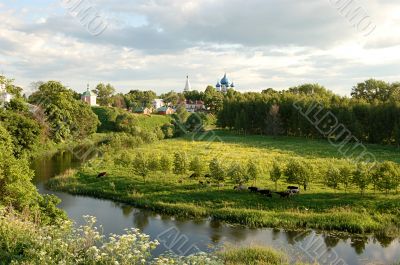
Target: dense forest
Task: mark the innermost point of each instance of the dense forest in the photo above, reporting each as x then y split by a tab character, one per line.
371	115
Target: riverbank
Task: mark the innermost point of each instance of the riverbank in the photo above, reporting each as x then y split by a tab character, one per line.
348	212
318	208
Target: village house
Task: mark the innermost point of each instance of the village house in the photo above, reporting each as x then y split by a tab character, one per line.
142	110
165	111
194	106
158	103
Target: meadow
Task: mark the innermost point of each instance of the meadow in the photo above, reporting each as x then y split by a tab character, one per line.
319	207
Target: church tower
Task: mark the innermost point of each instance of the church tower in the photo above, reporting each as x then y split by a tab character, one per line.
188	87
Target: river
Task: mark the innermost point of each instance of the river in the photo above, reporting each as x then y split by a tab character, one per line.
185	237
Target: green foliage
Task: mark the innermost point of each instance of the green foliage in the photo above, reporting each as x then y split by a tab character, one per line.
165	163
25	131
238	174
136	98
68	117
362	176
141	166
217	171
276	173
386	175
253	170
154	162
254	256
197	166
16	188
333	177
297	171
346	172
195	122
374	118
104	94
181	163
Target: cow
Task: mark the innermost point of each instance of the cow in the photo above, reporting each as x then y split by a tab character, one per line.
292	188
240	188
283	194
102	175
201	182
207	176
253	189
265	193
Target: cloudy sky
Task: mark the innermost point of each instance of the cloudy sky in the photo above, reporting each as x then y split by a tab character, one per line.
154	44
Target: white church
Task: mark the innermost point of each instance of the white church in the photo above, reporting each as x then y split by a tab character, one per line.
5	97
89	97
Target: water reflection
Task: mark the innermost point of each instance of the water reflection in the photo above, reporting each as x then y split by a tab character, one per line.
206	235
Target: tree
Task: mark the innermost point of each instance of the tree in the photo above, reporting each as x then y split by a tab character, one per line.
104	94
180	163
362	177
346	176
217	171
371	90
154	163
253	171
197	166
213	99
195	122
276	173
386	175
165	163
298	171
332	177
238	174
141	166
67	117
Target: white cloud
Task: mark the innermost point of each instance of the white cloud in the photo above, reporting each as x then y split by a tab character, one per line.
154	44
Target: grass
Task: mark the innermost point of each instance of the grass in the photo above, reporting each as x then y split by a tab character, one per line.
319	208
253	255
108	115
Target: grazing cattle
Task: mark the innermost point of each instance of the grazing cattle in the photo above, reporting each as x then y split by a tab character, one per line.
265	193
201	182
209	182
292	188
284	194
101	175
180	181
207	176
240	188
294	191
194	176
253	189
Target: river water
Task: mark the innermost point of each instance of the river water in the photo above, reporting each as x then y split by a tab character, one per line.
185	237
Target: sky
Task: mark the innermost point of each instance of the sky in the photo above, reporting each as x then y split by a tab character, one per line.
154	44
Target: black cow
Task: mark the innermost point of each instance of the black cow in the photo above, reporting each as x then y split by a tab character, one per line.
101	175
284	194
292	188
265	193
253	189
207	176
201	182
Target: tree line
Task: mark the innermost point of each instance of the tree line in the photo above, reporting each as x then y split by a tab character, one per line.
371	115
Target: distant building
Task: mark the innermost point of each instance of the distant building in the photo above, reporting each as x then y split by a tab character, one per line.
5	97
165	111
188	87
142	110
89	97
158	103
194	106
224	84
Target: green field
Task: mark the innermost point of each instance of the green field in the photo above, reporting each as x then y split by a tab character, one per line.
320	207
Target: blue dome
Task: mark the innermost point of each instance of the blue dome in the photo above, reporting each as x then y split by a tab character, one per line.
218	84
232	85
225	81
